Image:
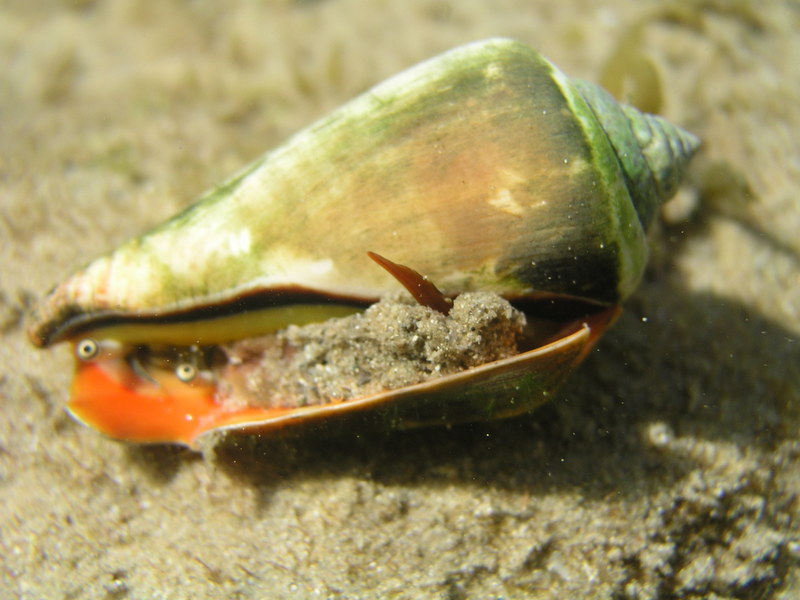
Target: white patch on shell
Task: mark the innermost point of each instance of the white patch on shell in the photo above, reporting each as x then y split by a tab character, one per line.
505	202
493	71
240	242
576	165
312	270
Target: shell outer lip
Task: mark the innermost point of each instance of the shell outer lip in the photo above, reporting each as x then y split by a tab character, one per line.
44	333
74	324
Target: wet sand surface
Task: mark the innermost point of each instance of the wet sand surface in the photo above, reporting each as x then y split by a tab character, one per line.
668	466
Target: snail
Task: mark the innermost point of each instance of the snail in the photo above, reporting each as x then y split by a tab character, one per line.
485	169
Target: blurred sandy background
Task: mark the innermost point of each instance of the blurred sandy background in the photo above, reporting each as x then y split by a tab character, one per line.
668	468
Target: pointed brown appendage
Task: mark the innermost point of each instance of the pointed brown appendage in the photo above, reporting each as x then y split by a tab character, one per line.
423	290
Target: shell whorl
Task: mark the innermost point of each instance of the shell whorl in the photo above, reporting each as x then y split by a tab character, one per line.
666	148
653	152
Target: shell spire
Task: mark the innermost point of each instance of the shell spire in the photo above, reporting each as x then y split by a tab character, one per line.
666	147
653	152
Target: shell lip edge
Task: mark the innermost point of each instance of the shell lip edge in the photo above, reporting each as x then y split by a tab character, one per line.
73	321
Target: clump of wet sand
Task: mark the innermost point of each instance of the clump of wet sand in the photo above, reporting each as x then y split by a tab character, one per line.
393	343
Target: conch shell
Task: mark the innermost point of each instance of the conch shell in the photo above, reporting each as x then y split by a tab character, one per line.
486	169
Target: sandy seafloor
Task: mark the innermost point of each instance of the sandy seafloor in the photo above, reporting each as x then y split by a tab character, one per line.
669	466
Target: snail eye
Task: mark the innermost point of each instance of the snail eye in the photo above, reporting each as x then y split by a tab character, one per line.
186	372
87	349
